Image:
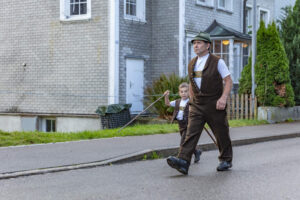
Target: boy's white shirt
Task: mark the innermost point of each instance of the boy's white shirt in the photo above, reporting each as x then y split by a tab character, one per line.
199	66
182	104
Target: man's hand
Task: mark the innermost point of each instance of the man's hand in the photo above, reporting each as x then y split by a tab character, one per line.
221	103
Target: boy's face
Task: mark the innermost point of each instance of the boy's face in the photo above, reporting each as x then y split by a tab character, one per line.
184	93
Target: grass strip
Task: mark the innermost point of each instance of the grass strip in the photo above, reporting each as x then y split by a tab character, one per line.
25	138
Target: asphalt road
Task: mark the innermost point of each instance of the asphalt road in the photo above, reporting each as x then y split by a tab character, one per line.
260	171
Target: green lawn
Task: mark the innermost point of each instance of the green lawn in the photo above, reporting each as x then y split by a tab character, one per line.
24	138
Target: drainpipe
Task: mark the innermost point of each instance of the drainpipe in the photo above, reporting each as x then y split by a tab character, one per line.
244	16
181	37
253	53
113	72
231	59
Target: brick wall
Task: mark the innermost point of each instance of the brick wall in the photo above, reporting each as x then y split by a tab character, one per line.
66	62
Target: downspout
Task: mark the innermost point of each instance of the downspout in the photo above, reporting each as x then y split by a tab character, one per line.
113	76
244	16
181	37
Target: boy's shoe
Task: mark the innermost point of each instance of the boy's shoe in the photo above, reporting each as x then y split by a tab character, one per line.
197	154
177	163
224	165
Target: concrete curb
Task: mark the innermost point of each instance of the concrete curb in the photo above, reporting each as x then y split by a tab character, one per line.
138	156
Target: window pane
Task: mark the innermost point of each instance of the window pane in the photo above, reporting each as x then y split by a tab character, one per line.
222	3
133	9
74	9
48	125
83	9
225	47
217	48
127	8
226	58
263	16
53	126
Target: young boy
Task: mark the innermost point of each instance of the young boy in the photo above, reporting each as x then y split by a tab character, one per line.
181	112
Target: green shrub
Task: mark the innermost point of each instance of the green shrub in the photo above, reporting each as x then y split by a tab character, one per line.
290	35
156	90
273	84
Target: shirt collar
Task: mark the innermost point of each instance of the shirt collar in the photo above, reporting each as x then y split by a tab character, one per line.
203	57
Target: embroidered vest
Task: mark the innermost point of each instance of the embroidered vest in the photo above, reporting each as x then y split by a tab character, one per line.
211	84
176	110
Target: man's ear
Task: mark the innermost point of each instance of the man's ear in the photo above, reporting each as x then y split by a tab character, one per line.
208	46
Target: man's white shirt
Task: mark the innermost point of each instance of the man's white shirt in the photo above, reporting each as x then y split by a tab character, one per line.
182	104
200	64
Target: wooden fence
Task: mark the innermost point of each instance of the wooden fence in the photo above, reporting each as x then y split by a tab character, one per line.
239	107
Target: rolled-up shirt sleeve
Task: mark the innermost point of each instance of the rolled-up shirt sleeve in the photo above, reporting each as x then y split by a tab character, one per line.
223	69
172	103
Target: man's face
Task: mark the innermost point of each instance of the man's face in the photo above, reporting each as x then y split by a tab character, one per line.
201	47
184	93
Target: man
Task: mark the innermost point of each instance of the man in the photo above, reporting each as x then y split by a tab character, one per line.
207	105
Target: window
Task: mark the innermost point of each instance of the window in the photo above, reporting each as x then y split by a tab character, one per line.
135	10
75	9
221	48
50	125
225	5
47	124
208	3
248	20
264	15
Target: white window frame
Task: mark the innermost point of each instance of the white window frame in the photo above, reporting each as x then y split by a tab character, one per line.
43	124
140	11
222	53
268	15
249	21
207	3
227	7
65	11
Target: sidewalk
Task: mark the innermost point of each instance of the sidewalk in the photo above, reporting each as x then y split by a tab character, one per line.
44	158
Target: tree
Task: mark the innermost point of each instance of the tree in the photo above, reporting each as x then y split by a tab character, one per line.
290	35
271	70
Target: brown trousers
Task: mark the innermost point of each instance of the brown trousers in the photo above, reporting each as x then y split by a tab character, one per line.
199	114
182	130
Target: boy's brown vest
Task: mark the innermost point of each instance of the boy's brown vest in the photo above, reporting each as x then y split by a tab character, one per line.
176	110
212	83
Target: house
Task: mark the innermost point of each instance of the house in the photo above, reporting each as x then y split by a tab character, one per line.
61	59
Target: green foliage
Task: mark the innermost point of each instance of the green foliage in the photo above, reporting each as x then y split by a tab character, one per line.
273	85
152	156
245	81
290	35
157	89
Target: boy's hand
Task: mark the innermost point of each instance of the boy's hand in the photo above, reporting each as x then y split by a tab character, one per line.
167	93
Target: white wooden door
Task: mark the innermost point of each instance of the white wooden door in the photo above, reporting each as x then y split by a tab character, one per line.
135	84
